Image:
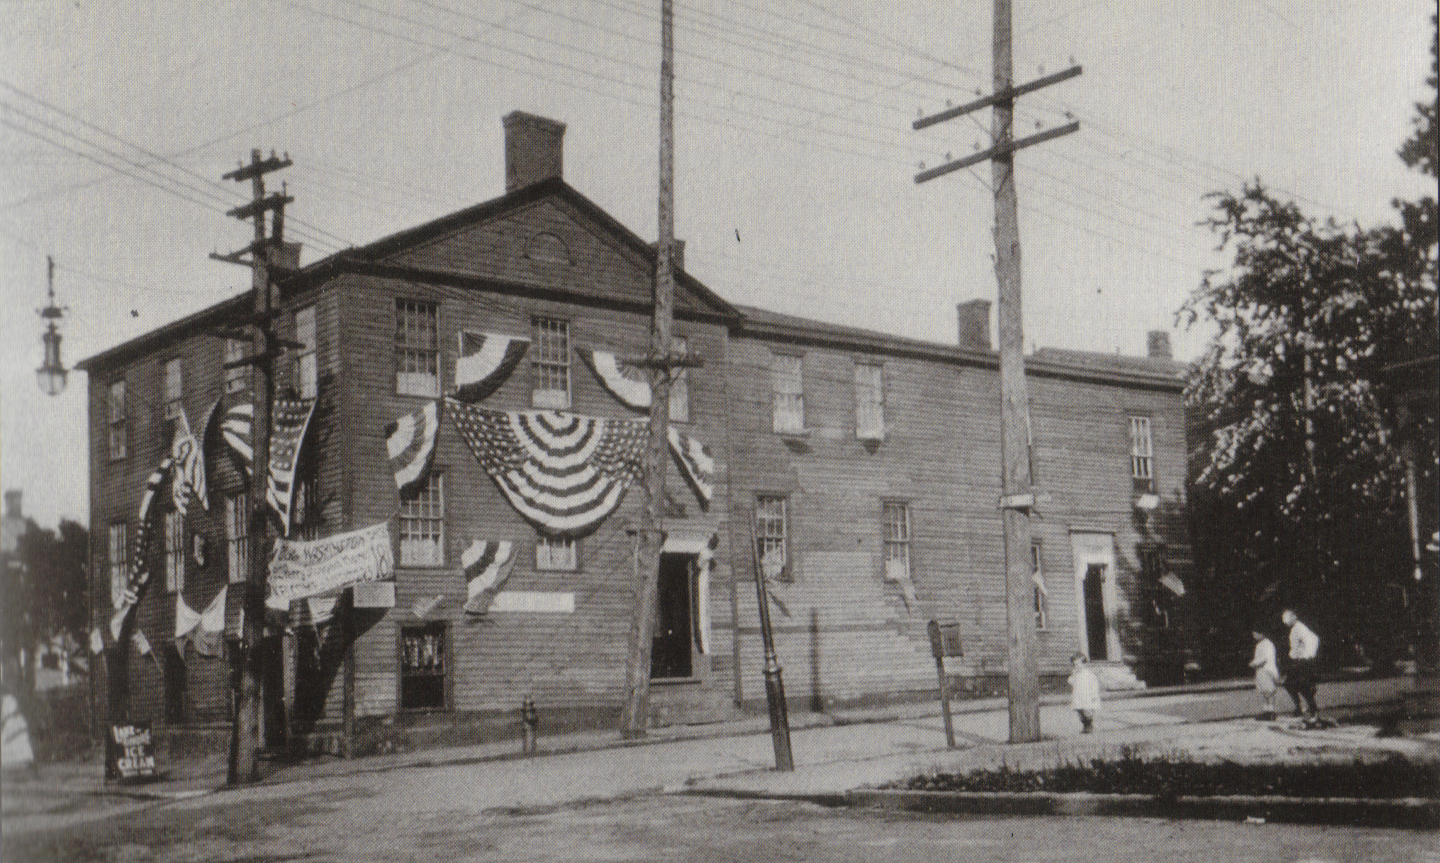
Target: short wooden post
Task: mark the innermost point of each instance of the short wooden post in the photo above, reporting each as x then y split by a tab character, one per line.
945	641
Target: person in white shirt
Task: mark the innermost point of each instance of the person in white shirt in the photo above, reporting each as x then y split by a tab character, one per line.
1300	675
1267	673
1084	692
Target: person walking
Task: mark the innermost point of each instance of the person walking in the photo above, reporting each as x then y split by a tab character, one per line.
1267	673
1084	692
1300	675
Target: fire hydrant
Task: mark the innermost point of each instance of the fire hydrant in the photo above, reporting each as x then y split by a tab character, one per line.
529	724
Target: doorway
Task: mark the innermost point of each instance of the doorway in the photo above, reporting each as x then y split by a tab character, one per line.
670	652
1094	590
1096	601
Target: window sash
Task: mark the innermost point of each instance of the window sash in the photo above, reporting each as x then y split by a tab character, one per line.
117	562
174	387
1141	451
174	551
770	528
237	536
869	401
422	525
117	415
417	348
237	378
423	662
1037	573
306	371
788	386
896	526
680	384
556	553
552	363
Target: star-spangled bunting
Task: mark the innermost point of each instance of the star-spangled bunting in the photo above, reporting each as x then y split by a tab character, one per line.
290	420
487	567
695	460
235	429
627	383
563	471
484	362
410	443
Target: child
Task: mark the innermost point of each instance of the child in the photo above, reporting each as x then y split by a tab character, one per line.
1084	692
1267	674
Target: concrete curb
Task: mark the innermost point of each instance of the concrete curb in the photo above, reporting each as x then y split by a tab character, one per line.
1408	812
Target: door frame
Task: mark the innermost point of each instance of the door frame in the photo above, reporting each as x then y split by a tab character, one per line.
1095	547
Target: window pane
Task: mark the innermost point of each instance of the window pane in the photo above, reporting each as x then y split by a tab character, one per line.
116	561
422	667
556	553
237	378
422	525
770	528
237	536
117	437
417	353
552	364
896	528
869	401
789	393
305	368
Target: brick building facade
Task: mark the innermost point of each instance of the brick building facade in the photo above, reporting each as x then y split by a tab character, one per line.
868	464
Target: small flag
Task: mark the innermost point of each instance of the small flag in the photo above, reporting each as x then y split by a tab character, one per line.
897	571
410	442
186	618
627	383
235	429
188	471
291	419
487	567
484	362
321	609
426	604
695	460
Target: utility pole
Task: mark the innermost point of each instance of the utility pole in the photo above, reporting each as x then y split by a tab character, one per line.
245	732
1017	484
650	539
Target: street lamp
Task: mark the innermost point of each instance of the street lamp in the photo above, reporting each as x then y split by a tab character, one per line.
51	374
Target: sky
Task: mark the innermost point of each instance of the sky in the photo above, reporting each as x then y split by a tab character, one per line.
795	156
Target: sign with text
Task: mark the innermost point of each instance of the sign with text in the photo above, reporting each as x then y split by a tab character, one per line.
129	752
309	568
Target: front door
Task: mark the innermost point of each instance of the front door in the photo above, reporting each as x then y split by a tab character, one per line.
1094	589
670	654
1094	557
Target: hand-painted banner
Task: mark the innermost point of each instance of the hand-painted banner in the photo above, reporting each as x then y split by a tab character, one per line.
308	568
485	361
627	383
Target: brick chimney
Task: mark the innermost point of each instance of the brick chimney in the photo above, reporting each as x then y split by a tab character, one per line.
974	325
1159	344
534	149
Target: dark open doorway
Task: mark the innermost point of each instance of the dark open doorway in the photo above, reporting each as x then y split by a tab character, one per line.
670	652
1095	624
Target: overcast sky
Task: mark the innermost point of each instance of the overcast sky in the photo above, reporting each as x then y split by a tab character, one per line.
795	155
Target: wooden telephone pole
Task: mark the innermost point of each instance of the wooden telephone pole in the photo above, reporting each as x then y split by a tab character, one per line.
245	732
1017	484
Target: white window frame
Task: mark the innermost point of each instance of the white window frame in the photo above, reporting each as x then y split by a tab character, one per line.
237	378
869	400
1142	454
117	416
306	333
422	524
117	561
680	383
174	387
174	551
895	536
772	528
787	384
237	537
417	348
557	553
551	350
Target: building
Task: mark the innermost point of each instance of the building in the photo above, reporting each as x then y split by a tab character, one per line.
865	465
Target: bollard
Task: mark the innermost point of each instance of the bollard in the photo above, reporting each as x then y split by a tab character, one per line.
529	724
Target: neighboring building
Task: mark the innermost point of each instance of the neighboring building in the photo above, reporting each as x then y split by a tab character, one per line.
868	465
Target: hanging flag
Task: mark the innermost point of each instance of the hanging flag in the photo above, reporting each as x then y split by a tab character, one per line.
186	618
206	635
97	642
289	422
320	609
487	567
696	462
139	564
898	572
563	471
235	428
410	441
626	382
189	466
484	362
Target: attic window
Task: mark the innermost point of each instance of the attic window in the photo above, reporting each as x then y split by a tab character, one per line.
547	247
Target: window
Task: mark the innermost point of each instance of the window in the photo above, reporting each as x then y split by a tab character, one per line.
305	508
417	348
896	524
116	412
174	388
116	562
422	667
1037	575
422	524
305	371
770	531
237	536
869	402
237	378
789	390
552	364
553	552
174	551
680	384
1141	470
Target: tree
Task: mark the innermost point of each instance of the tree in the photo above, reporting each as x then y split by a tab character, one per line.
45	592
1299	486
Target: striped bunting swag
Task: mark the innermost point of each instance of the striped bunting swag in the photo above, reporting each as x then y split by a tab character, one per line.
291	419
235	428
484	362
410	442
697	463
487	568
189	467
139	566
563	471
627	383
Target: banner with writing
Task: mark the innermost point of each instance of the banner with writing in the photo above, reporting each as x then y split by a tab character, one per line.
129	752
308	568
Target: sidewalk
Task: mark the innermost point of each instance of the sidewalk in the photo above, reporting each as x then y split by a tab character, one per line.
834	753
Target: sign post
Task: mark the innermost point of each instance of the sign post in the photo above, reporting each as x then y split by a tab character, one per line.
945	641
